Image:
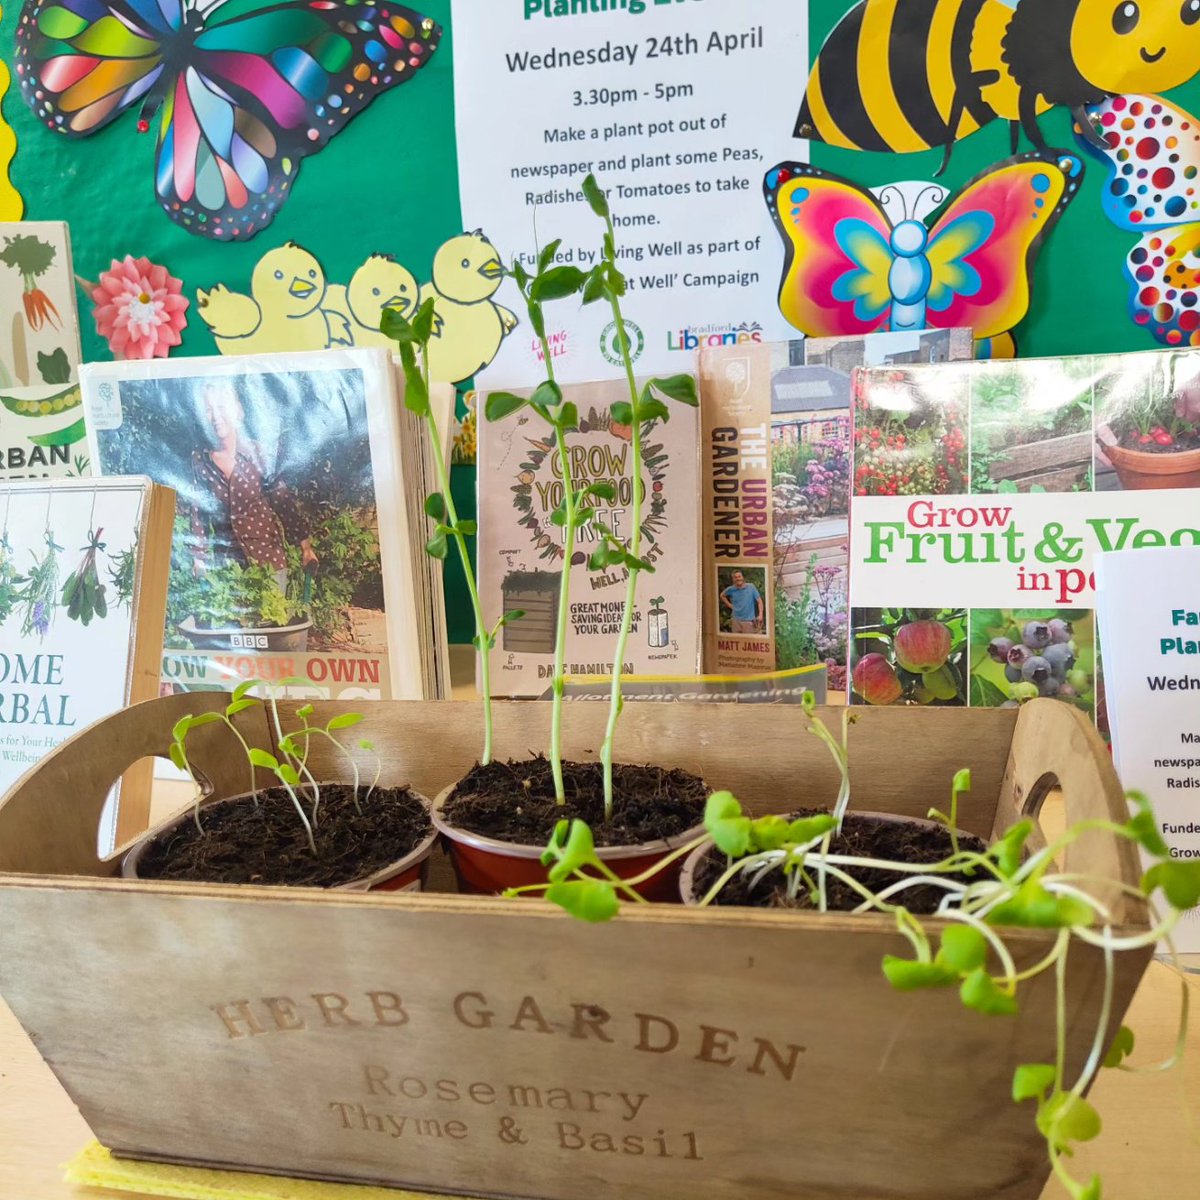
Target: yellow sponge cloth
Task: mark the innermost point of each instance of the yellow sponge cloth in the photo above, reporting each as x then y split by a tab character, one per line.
96	1167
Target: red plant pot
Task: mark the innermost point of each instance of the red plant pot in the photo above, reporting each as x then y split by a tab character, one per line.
405	875
486	866
1140	471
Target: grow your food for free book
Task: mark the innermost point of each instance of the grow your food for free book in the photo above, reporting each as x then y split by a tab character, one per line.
83	568
291	556
521	549
41	419
982	491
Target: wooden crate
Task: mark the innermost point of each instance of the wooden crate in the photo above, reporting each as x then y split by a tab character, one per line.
487	1046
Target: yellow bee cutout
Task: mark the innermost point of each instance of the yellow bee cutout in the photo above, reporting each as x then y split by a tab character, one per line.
906	75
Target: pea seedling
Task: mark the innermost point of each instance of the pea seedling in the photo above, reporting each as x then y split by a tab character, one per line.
606	282
578	507
413	338
1009	888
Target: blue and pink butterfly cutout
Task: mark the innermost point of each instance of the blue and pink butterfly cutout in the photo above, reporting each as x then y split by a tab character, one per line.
856	264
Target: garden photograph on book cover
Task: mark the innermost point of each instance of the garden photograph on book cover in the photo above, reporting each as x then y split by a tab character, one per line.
1020	471
276	545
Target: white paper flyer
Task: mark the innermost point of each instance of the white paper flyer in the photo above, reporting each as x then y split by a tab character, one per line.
666	105
1148	608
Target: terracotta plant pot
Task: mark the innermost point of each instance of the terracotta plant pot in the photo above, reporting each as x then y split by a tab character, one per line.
485	866
687	877
1139	471
406	875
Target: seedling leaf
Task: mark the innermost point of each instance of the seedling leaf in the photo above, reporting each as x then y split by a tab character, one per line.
1031	1081
806	829
260	758
557	284
728	827
908	976
590	900
1121	1048
964	949
435	506
345	721
595	197
1035	908
503	404
548	394
622	412
678	387
1180	882
979	991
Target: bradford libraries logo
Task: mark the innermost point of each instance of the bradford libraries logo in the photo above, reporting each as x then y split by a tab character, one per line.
610	347
715	335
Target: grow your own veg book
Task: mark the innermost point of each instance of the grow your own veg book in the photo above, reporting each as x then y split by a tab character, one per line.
982	491
83	579
292	555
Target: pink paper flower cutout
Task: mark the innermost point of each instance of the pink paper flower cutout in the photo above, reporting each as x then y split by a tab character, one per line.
139	308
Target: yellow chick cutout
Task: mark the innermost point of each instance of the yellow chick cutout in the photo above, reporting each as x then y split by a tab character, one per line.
293	306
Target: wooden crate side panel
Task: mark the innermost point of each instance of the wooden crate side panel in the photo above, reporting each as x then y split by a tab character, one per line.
478	1045
1055	744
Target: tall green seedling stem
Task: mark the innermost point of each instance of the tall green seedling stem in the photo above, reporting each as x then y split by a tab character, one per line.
413	341
570	529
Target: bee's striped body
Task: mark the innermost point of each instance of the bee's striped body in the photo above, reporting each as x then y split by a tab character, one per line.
940	79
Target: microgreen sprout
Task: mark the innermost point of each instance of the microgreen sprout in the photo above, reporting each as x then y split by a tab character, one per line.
287	775
606	282
334	724
369	747
578	508
413	338
984	893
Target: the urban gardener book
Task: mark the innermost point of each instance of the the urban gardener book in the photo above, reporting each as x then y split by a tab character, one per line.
83	585
41	420
292	555
521	549
982	492
776	421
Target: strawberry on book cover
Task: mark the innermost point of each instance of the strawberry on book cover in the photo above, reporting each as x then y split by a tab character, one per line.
799	392
981	493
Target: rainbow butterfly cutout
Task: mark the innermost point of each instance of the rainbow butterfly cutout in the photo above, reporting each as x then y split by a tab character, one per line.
1153	188
851	269
241	91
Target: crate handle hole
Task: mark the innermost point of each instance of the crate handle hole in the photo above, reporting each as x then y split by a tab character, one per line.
170	791
1046	786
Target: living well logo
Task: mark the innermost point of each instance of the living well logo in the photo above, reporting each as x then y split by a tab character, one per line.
714	335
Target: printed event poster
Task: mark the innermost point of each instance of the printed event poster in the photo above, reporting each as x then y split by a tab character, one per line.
276	565
983	491
1148	605
667	106
521	549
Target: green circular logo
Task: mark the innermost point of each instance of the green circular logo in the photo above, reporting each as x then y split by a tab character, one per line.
610	346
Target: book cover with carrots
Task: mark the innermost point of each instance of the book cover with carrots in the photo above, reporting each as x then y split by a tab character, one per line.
41	419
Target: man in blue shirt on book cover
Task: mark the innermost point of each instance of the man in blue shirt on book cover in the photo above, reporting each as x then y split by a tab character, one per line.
745	602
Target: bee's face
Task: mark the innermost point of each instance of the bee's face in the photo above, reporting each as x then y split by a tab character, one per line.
1136	45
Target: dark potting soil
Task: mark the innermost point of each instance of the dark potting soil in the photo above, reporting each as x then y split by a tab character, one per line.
268	845
514	802
862	837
